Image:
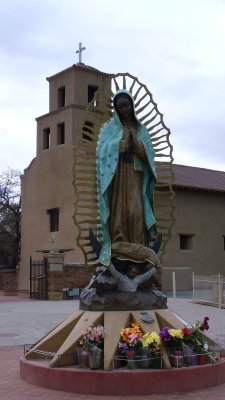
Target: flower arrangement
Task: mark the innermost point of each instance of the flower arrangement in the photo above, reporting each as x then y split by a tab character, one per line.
151	343
130	339
178	338
138	350
200	346
202	325
93	337
172	338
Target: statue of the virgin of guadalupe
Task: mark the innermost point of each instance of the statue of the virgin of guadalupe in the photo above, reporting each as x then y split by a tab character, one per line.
126	178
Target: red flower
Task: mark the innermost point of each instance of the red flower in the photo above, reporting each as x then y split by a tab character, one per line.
130	354
185	331
206	325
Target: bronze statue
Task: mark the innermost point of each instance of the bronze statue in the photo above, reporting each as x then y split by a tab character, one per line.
126	179
123	229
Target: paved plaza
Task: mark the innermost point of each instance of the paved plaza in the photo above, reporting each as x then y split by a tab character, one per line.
27	321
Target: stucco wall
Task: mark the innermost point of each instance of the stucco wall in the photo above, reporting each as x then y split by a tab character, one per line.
198	213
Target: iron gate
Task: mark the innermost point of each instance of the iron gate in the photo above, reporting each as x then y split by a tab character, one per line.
39	279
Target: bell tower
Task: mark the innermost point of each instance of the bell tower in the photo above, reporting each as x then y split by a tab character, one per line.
46	185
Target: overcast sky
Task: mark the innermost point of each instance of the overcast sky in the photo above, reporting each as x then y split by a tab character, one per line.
175	47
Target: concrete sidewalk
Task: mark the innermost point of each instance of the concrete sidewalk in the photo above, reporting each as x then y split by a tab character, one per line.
27	321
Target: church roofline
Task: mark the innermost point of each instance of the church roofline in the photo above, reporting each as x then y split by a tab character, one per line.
79	67
195	178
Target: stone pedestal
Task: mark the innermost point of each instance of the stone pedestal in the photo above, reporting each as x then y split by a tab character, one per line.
55	271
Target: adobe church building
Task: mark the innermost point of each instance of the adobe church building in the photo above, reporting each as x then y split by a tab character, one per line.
198	235
47	227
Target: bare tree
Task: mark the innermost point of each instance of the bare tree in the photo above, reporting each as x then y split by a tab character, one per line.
10	216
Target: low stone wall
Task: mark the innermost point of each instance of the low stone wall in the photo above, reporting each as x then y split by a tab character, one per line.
76	276
69	277
8	280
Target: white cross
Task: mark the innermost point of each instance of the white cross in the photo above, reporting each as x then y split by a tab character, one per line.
80	51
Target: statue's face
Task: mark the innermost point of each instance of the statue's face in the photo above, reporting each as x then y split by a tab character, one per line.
132	273
124	108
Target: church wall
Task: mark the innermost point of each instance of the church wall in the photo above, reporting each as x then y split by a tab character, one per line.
201	214
47	185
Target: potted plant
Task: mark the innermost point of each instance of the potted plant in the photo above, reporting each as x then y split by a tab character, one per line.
185	344
190	358
92	342
151	356
199	344
130	344
173	340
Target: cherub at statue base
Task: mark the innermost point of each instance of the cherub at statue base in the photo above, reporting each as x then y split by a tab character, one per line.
112	290
148	299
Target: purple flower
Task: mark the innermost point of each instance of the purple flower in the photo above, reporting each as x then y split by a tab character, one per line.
164	334
123	347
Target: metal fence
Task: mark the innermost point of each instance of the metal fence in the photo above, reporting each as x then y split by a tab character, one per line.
39	279
209	290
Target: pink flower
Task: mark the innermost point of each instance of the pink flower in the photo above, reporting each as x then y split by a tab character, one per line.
130	354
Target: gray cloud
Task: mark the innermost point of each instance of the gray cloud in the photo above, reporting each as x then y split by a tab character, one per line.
174	47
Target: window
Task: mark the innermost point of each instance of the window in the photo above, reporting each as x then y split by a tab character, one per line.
53	219
61	133
61	96
87	128
46	138
186	242
91	93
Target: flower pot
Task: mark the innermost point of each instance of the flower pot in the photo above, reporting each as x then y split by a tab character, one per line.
82	357
194	359
131	363
145	361
95	361
188	354
201	359
156	363
120	361
79	351
177	359
171	350
155	358
187	349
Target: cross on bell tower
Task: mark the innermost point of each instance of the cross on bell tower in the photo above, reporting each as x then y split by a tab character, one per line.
80	51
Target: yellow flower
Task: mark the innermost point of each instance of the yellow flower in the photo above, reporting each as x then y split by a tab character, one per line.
176	333
156	338
151	339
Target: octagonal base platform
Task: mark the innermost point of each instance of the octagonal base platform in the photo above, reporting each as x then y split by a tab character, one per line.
122	382
61	371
